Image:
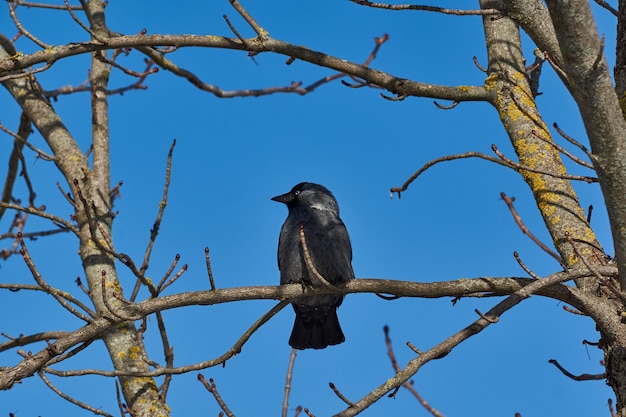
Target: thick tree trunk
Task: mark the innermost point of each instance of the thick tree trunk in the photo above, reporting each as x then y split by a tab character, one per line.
586	76
531	139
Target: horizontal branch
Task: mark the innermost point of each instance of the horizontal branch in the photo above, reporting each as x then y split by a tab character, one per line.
36	212
495	286
22	340
400	86
446	346
426	8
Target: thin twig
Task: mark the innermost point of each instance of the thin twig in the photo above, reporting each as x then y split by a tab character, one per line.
524	267
399	97
68	354
118	396
22	136
490	319
47	288
607	6
417	7
591	269
309	262
581	377
234	30
212	388
157	223
600	55
85	87
63	294
36	212
378	42
414	348
14	160
520	167
573	311
432	162
80	285
141	75
564	151
71	399
28	74
573	141
604	280
168	353
68	196
509	203
12	173
29	4
533	72
87	209
34	235
449	107
340	395
262	34
105	299
122	257
480	67
611	409
172	280
234	350
207	258
27	340
159	286
23	30
80	23
408	385
141	331
31	190
292	361
556	68
115	191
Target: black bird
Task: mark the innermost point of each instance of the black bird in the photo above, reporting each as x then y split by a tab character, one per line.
314	208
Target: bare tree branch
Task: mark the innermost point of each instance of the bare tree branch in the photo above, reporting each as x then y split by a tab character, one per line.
288	293
581	377
419	7
392	83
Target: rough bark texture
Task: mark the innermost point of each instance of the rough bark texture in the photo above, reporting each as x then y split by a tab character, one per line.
591	87
580	52
620	56
512	97
122	342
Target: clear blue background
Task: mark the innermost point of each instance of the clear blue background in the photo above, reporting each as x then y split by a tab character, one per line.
233	155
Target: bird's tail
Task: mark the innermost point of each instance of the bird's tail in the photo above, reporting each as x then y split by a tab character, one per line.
316	331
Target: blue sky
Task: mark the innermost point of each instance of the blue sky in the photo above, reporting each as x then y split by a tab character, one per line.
233	155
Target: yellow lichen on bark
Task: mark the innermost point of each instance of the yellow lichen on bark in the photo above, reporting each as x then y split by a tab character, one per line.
491	81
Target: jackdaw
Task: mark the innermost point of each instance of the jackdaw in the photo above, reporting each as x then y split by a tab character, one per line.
314	208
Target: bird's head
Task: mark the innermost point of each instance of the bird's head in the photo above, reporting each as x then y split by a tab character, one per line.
309	195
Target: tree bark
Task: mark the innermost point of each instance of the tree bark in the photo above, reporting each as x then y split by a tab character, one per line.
531	139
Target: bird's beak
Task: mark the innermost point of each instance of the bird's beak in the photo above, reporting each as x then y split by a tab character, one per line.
284	198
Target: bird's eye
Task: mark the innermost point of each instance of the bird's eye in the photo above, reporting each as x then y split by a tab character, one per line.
297	192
